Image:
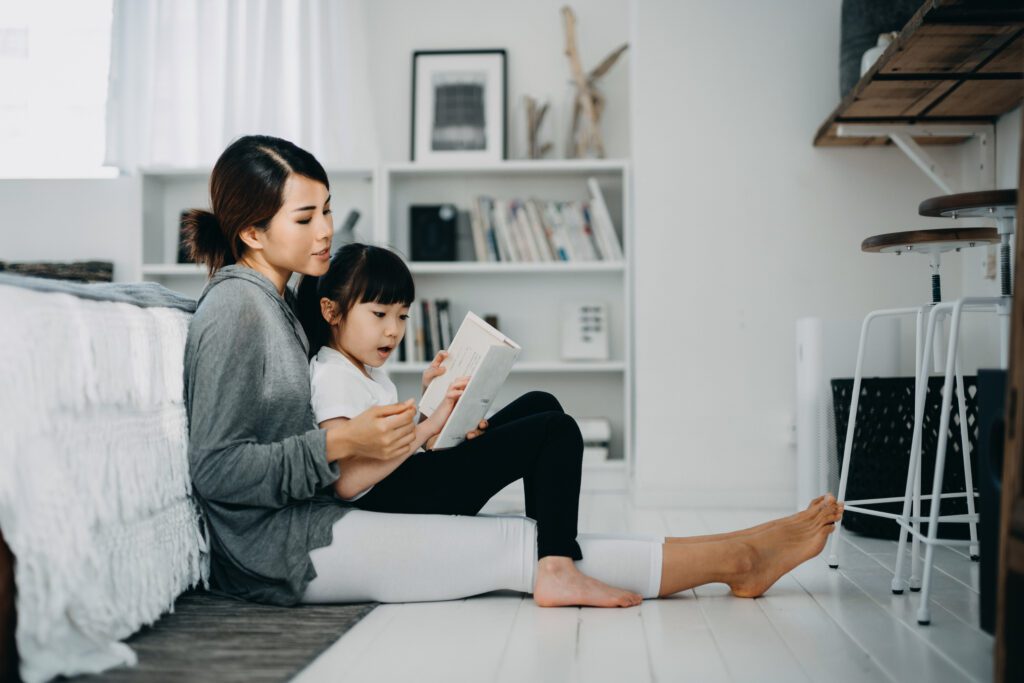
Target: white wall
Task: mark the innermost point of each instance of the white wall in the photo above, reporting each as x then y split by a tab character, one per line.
743	227
71	220
532	31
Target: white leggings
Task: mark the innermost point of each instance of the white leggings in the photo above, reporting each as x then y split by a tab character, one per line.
384	557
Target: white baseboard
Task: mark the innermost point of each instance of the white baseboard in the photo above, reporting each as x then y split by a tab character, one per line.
711	498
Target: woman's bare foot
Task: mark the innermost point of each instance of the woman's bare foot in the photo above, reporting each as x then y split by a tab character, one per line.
809	511
777	550
560	584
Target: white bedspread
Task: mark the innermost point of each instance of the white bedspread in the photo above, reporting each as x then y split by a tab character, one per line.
94	484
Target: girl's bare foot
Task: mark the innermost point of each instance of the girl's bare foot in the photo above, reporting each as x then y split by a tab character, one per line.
560	584
778	549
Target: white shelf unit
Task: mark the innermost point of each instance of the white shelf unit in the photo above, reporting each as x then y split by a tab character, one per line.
166	192
528	297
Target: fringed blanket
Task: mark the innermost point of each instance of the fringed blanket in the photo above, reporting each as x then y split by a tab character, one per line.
94	481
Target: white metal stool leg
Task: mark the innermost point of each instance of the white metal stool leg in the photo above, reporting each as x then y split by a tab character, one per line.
920	366
833	560
924	612
965	450
914	468
915	544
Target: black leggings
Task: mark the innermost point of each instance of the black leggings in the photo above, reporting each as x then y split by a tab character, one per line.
530	439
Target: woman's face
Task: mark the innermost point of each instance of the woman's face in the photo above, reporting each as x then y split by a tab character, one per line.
298	237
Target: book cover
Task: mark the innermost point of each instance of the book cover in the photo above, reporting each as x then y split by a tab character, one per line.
428	342
487	222
476	225
527	230
540	234
498	216
444	323
511	228
581	245
591	234
544	214
603	221
465	354
435	332
554	213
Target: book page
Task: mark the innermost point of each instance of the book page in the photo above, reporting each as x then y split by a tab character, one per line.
467	350
480	393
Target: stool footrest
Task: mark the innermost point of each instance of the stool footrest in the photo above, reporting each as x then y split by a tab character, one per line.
899	499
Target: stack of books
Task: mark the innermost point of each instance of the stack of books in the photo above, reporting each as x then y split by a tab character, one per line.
532	230
428	330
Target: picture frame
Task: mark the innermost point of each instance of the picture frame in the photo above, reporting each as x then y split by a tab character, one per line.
459	106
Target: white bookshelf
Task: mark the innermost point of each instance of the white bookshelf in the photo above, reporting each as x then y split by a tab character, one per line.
526	297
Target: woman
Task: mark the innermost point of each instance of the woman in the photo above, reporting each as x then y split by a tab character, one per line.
264	473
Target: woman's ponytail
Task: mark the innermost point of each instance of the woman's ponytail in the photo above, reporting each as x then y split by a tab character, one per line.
205	241
307	310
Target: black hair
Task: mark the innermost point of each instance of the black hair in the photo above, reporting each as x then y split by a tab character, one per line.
359	273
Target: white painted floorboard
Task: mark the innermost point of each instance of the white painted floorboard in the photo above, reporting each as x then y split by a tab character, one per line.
815	624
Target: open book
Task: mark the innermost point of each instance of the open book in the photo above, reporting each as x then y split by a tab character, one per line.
486	356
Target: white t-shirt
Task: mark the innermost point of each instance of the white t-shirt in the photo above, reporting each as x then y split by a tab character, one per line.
339	389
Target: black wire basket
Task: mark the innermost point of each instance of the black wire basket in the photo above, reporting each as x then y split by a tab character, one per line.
881	449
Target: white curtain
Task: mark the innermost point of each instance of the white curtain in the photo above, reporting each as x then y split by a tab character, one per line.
189	76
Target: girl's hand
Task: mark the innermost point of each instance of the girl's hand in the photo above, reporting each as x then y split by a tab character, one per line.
478	431
435	369
451	397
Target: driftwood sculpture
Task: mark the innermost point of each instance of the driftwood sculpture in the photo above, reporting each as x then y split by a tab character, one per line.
585	138
534	119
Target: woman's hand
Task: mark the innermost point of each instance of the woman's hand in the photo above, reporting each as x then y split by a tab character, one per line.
478	431
434	369
380	432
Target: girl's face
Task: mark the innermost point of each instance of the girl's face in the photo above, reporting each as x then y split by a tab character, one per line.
298	237
370	332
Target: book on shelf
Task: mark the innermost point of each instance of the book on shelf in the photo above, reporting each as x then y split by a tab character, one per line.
486	356
597	435
604	228
540	231
427	331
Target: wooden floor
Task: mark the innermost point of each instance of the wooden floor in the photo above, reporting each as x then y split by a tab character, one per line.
815	624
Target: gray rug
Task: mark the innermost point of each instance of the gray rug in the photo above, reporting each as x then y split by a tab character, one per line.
213	638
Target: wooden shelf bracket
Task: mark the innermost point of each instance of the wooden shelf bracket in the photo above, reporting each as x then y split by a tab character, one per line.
902	135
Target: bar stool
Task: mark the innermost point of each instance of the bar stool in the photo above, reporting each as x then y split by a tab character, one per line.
933	243
1001	206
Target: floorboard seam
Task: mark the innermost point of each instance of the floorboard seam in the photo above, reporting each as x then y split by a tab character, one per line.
849	635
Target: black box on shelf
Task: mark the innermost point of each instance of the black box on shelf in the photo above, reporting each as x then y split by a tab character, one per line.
432	232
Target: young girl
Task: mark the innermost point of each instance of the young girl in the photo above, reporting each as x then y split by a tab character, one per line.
354	317
366	318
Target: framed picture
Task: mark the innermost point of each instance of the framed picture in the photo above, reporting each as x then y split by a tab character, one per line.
459	106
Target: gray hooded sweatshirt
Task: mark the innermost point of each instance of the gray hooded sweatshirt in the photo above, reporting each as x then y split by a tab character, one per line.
259	464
